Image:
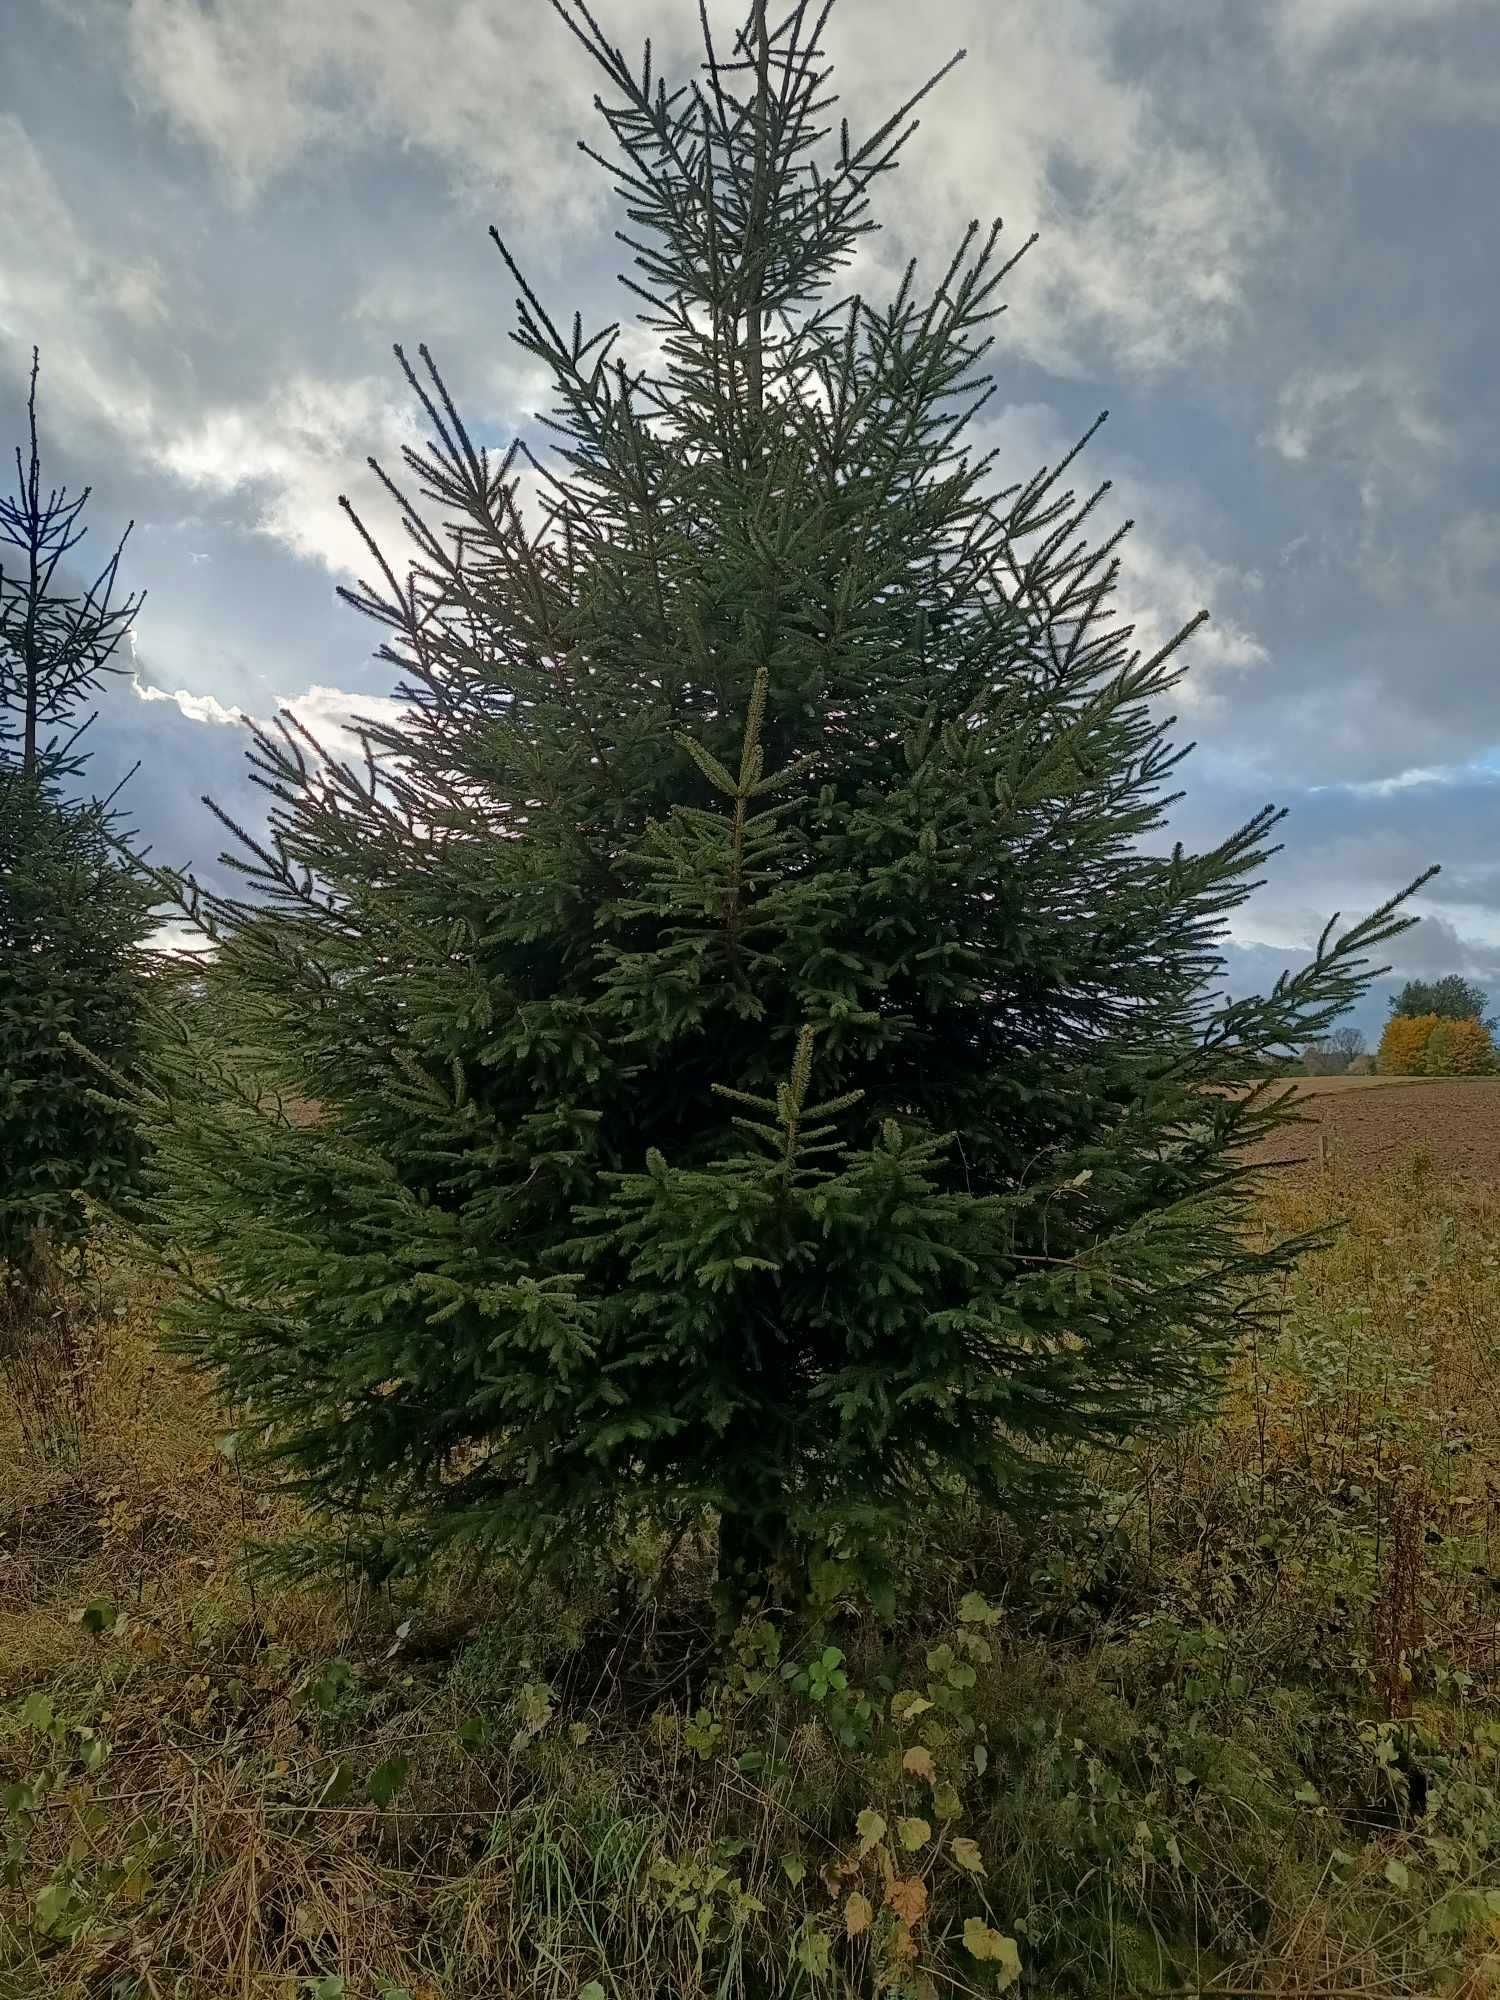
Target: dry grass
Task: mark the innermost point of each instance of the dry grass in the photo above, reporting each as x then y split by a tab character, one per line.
1330	1540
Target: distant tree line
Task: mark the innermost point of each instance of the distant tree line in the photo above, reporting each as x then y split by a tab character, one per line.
1438	1028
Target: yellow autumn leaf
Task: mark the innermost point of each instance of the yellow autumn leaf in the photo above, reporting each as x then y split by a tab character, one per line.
981	1941
918	1763
871	1825
908	1898
966	1854
859	1914
913	1833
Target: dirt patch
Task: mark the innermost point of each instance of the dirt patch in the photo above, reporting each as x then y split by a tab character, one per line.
1456	1123
41	1546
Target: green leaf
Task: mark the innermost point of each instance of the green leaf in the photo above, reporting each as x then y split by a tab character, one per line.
340	1784
53	1904
913	1833
387	1779
329	1987
945	1801
593	1991
815	1953
907	1705
37	1712
99	1615
794	1868
1397	1874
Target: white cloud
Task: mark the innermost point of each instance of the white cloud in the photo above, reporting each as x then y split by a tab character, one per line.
1467	564
331	715
1376	413
1152	227
178	938
1166	575
1417	777
196	707
495	94
54	279
1315	24
296	453
1374	425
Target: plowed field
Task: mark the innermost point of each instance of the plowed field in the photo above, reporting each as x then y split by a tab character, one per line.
1371	1124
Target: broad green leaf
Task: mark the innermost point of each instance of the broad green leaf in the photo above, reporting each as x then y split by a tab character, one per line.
815	1953
387	1779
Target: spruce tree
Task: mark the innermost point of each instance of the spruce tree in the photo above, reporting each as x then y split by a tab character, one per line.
767	1051
72	914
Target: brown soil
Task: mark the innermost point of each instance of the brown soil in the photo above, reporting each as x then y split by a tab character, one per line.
1456	1123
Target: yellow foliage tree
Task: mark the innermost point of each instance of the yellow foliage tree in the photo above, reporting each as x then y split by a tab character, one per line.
1469	1048
1437	1057
1403	1045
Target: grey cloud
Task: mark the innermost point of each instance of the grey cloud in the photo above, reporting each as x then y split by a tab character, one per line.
1261	245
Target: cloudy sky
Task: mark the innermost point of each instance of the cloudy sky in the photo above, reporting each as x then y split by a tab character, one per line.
1264	249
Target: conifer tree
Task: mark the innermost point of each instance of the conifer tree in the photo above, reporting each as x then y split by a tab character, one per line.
1451	998
71	915
768	1052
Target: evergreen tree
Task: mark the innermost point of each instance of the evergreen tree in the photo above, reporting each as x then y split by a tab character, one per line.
71	916
768	1055
1451	998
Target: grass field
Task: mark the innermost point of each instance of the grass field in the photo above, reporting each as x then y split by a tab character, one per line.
1233	1728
